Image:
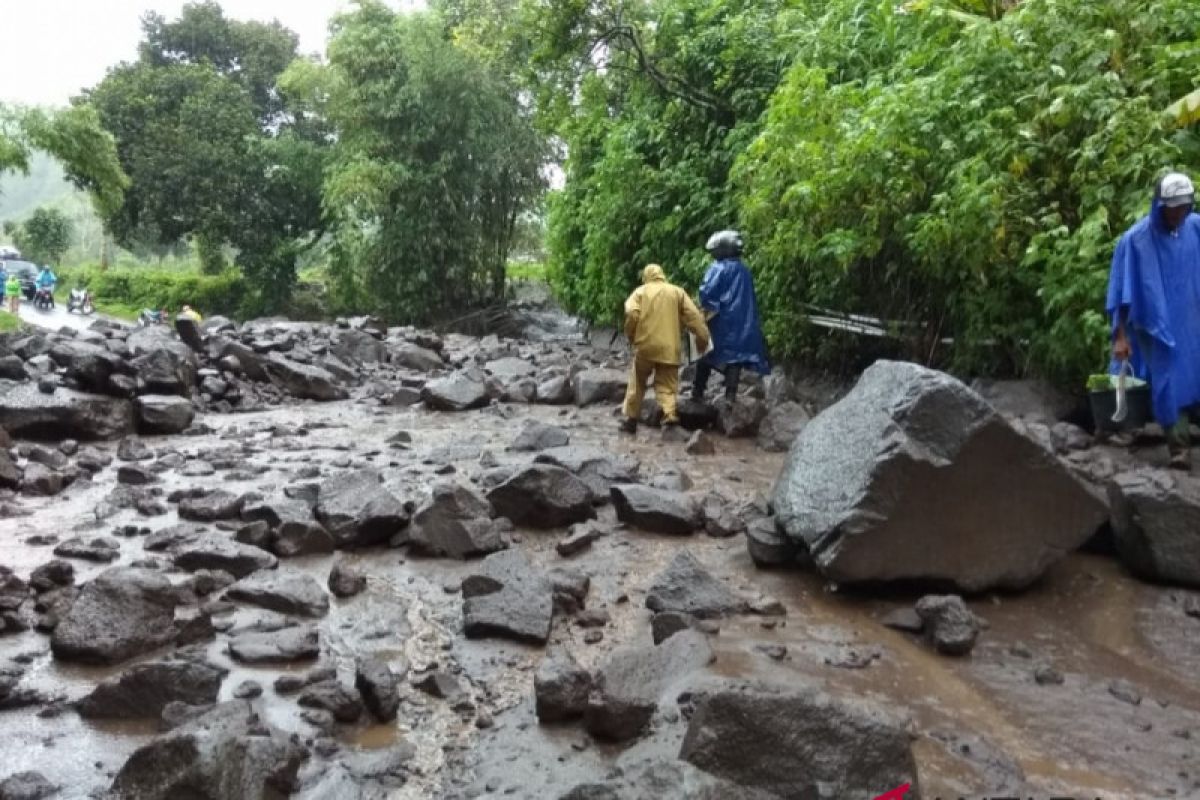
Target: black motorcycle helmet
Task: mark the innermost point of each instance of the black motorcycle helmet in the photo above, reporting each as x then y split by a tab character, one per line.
724	244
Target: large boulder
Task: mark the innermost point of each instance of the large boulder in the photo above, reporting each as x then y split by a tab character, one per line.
599	386
358	510
28	413
89	364
216	551
249	362
543	496
561	687
455	522
629	684
164	364
285	646
781	426
799	742
686	587
145	690
303	380
597	468
656	510
295	531
160	413
122	613
457	392
229	753
535	436
415	357
359	347
664	780
379	687
27	786
284	590
508	597
1155	524
912	476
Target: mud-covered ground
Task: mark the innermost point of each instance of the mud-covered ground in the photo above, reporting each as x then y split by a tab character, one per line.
983	725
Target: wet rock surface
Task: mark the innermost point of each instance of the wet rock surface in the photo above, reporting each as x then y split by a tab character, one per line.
508	597
121	613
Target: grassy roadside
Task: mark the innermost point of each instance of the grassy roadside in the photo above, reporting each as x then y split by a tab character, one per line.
9	322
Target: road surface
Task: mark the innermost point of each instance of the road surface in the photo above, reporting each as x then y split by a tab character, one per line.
56	318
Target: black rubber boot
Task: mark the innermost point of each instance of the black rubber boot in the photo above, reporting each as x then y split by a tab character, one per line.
628	425
700	384
733	377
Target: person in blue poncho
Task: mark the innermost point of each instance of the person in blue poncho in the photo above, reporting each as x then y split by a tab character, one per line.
727	298
1154	306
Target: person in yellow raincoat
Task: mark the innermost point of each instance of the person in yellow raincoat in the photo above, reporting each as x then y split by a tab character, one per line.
655	316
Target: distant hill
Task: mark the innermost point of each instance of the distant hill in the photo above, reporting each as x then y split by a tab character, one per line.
43	186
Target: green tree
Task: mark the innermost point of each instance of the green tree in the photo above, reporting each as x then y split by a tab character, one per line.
45	236
433	162
215	153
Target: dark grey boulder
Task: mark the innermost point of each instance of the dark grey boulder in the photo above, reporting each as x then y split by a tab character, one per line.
359	347
507	597
122	613
284	590
99	549
27	786
914	477
342	702
27	413
88	364
457	392
561	687
228	753
799	741
10	473
211	506
768	547
543	496
597	468
287	645
664	780
249	362
346	581
379	687
686	587
52	575
949	625
741	418
656	510
555	390
780	427
580	538
41	481
295	529
629	684
358	510
415	357
216	551
303	380
599	386
1155	519
535	436
455	522
163	414
145	690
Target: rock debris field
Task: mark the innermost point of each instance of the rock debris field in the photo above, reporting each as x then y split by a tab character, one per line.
348	561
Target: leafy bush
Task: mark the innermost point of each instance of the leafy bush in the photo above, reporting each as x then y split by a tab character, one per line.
134	289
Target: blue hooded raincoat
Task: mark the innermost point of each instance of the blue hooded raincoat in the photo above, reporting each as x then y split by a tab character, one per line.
1155	283
728	290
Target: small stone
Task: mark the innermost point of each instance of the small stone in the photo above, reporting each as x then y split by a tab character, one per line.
1046	675
248	690
440	684
701	444
593	636
1125	691
775	652
581	538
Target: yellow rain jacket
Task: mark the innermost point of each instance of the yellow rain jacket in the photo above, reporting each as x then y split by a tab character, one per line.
655	316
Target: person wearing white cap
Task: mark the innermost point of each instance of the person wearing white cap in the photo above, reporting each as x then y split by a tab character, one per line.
1154	307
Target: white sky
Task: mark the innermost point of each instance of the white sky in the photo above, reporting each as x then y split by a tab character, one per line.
50	49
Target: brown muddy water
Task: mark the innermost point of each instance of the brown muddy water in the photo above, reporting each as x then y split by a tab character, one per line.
983	726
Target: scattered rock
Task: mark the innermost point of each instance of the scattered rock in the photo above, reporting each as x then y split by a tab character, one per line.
752	736
211	506
701	444
561	687
100	550
948	623
163	414
1125	691
599	386
346	581
1155	516
741	418
913	476
686	587
768	547
543	496
122	613
505	596
581	537
597	468
535	436
27	413
1046	675
780	427
209	551
379	687
904	619
284	591
441	685
357	509
628	685
145	690
302	380
457	392
416	358
299	643
331	696
27	786
41	481
456	523
655	510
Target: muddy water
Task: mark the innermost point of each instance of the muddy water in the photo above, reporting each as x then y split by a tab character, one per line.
982	725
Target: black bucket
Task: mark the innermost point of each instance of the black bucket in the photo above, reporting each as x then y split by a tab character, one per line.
1139	410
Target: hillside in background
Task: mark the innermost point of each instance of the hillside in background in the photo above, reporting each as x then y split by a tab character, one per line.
45	185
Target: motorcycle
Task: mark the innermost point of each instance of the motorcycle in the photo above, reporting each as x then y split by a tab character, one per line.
43	299
150	317
81	301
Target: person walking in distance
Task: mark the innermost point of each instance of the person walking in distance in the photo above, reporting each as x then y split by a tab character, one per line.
727	298
655	316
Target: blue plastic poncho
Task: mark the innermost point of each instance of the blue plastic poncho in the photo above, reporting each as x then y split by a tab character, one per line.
728	290
1155	284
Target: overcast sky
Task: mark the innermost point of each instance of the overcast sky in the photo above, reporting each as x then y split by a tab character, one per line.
50	49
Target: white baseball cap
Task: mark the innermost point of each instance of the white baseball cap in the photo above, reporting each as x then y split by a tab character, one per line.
1176	189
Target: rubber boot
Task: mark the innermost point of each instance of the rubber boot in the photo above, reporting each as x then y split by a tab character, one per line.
700	384
733	376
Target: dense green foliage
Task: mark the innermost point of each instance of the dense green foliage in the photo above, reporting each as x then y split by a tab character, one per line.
432	165
45	236
960	168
